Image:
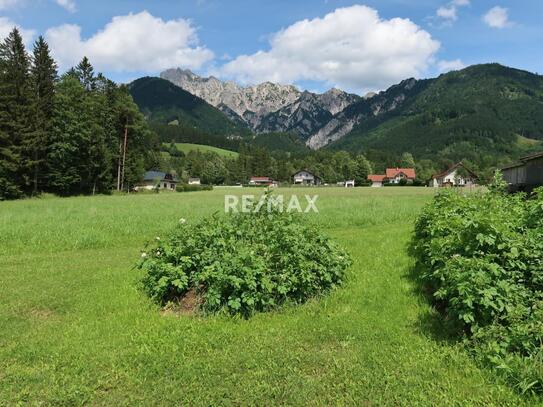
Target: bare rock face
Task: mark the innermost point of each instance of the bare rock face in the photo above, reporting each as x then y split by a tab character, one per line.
318	119
267	107
372	105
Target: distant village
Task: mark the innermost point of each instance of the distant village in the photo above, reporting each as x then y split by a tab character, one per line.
524	175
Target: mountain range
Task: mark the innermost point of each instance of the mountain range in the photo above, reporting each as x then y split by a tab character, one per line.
267	107
485	113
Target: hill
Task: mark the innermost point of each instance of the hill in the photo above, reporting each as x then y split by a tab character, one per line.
488	114
187	147
164	103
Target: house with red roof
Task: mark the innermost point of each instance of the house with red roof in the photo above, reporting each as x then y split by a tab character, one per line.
393	176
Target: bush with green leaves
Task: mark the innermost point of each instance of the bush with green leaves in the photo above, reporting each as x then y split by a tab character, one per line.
480	255
243	263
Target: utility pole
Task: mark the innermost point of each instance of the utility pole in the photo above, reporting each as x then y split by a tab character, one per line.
119	164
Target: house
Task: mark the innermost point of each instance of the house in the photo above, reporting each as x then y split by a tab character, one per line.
376	180
157	180
525	175
195	181
396	175
393	176
262	181
458	175
304	177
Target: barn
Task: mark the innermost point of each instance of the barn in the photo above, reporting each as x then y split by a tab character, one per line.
526	174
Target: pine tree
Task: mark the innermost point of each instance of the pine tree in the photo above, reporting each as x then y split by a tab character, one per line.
43	78
85	72
15	116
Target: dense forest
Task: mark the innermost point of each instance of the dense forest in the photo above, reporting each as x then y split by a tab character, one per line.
79	133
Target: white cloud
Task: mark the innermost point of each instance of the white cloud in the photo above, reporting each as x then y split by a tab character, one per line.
445	66
497	17
351	47
449	13
5	4
6	26
131	43
67	4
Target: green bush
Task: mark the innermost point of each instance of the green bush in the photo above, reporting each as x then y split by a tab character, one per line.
243	263
193	188
481	257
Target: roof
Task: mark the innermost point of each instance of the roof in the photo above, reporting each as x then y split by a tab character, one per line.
532	157
510	166
408	172
523	160
454	167
154	175
267	179
376	178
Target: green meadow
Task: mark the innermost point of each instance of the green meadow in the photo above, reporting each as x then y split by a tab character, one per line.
75	329
188	147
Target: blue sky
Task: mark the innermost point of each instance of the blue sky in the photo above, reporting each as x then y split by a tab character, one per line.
315	44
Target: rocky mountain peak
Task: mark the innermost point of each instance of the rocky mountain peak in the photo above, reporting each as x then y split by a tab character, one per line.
261	105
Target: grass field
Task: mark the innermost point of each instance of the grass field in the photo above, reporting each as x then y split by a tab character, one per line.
186	147
75	329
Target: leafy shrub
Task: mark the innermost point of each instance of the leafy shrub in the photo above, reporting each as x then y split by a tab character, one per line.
193	188
481	258
243	263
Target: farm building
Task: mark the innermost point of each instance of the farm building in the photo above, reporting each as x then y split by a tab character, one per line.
525	175
458	175
393	176
195	181
157	180
376	180
262	181
304	177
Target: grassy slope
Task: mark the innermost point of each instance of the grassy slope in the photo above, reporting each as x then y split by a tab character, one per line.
186	147
75	329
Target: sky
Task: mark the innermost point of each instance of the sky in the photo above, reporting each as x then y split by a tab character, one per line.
358	46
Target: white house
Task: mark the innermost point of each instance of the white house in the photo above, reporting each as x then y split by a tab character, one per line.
304	177
157	180
458	175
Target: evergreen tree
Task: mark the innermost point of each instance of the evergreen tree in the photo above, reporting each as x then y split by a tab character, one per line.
85	72
363	169
43	78
15	116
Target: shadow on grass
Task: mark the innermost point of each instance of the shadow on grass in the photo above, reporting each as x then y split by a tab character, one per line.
433	322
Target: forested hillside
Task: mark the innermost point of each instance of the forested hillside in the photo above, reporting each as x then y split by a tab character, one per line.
164	103
486	114
66	135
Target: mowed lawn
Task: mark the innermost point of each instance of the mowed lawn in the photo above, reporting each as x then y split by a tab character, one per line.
74	329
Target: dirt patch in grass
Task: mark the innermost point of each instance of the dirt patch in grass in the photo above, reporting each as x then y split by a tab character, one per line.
188	305
41	314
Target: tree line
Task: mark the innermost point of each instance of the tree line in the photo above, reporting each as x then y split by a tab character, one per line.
78	133
212	168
